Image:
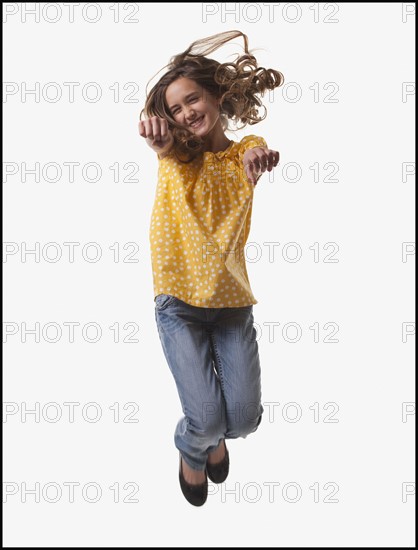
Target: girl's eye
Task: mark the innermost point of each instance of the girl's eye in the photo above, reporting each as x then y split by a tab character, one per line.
190	100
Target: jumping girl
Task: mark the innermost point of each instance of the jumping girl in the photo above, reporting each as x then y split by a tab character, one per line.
199	226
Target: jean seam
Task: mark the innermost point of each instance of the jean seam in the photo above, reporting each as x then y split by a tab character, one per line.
182	401
218	359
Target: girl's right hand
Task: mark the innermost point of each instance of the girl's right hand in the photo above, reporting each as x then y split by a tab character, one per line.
157	134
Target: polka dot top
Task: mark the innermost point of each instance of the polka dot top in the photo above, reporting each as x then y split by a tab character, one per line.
199	225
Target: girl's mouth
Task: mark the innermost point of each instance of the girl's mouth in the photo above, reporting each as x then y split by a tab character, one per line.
197	122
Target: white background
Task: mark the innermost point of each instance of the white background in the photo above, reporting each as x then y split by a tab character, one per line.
364	54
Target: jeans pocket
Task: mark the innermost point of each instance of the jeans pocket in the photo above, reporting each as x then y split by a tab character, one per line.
163	300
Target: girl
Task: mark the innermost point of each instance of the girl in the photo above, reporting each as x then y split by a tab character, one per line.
199	226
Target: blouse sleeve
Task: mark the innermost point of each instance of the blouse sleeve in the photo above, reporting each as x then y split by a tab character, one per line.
249	142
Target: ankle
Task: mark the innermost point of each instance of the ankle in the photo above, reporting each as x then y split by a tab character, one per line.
218	454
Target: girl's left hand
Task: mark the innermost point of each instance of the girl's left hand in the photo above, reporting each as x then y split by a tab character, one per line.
257	160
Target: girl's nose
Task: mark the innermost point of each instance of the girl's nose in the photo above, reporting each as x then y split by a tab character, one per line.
190	114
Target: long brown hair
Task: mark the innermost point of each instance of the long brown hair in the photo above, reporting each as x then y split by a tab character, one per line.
235	84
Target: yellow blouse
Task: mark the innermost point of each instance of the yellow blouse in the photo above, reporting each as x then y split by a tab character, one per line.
199	226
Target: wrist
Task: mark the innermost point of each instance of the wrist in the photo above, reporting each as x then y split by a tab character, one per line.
164	152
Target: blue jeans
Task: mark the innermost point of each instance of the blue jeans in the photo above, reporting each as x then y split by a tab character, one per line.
213	356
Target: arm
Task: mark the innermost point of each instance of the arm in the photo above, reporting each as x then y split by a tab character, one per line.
163	154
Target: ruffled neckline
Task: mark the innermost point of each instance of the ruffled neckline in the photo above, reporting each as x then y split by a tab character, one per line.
228	152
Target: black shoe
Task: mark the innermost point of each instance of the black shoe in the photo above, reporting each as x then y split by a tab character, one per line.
196	494
219	472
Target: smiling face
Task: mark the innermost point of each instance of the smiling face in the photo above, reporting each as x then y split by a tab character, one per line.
189	102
